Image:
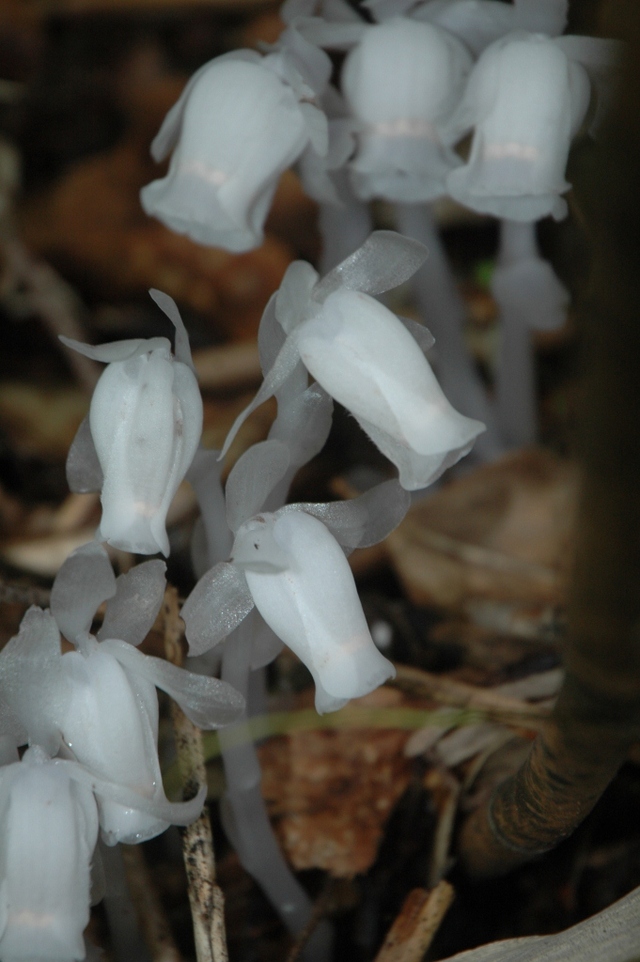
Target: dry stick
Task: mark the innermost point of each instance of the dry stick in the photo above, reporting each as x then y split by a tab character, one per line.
205	895
413	930
458	694
151	917
57	305
597	715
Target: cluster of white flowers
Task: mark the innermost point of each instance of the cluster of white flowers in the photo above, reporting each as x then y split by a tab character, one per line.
412	86
271	573
88	710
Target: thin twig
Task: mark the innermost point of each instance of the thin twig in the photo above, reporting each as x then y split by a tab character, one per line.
151	917
205	895
413	930
56	303
458	694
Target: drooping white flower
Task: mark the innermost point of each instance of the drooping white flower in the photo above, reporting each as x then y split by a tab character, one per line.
142	433
241	121
98	705
48	832
525	100
401	82
290	564
368	359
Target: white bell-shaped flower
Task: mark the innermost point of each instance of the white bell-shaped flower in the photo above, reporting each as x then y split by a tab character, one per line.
98	706
368	359
309	599
242	120
525	100
291	565
48	832
401	82
143	431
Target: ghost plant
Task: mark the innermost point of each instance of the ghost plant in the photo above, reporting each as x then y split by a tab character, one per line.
97	705
368	359
242	119
141	434
291	565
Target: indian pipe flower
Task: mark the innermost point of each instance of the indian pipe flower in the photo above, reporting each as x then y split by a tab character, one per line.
48	832
141	434
368	359
291	565
97	705
401	81
241	121
525	101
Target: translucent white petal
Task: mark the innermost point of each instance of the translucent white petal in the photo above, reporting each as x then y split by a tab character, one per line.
168	305
384	261
292	298
314	608
362	521
283	367
252	479
147	817
303	424
84	581
49	831
117	350
421	334
212	539
131	612
217	605
32	683
208	702
84	473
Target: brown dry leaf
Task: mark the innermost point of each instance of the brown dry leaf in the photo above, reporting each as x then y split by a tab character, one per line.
332	792
502	533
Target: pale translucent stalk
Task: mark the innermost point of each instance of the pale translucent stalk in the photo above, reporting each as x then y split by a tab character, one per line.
246	818
444	313
516	377
343	229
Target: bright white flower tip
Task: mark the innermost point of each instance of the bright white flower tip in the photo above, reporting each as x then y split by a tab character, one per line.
48	831
366	359
145	425
238	126
401	82
302	586
526	100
